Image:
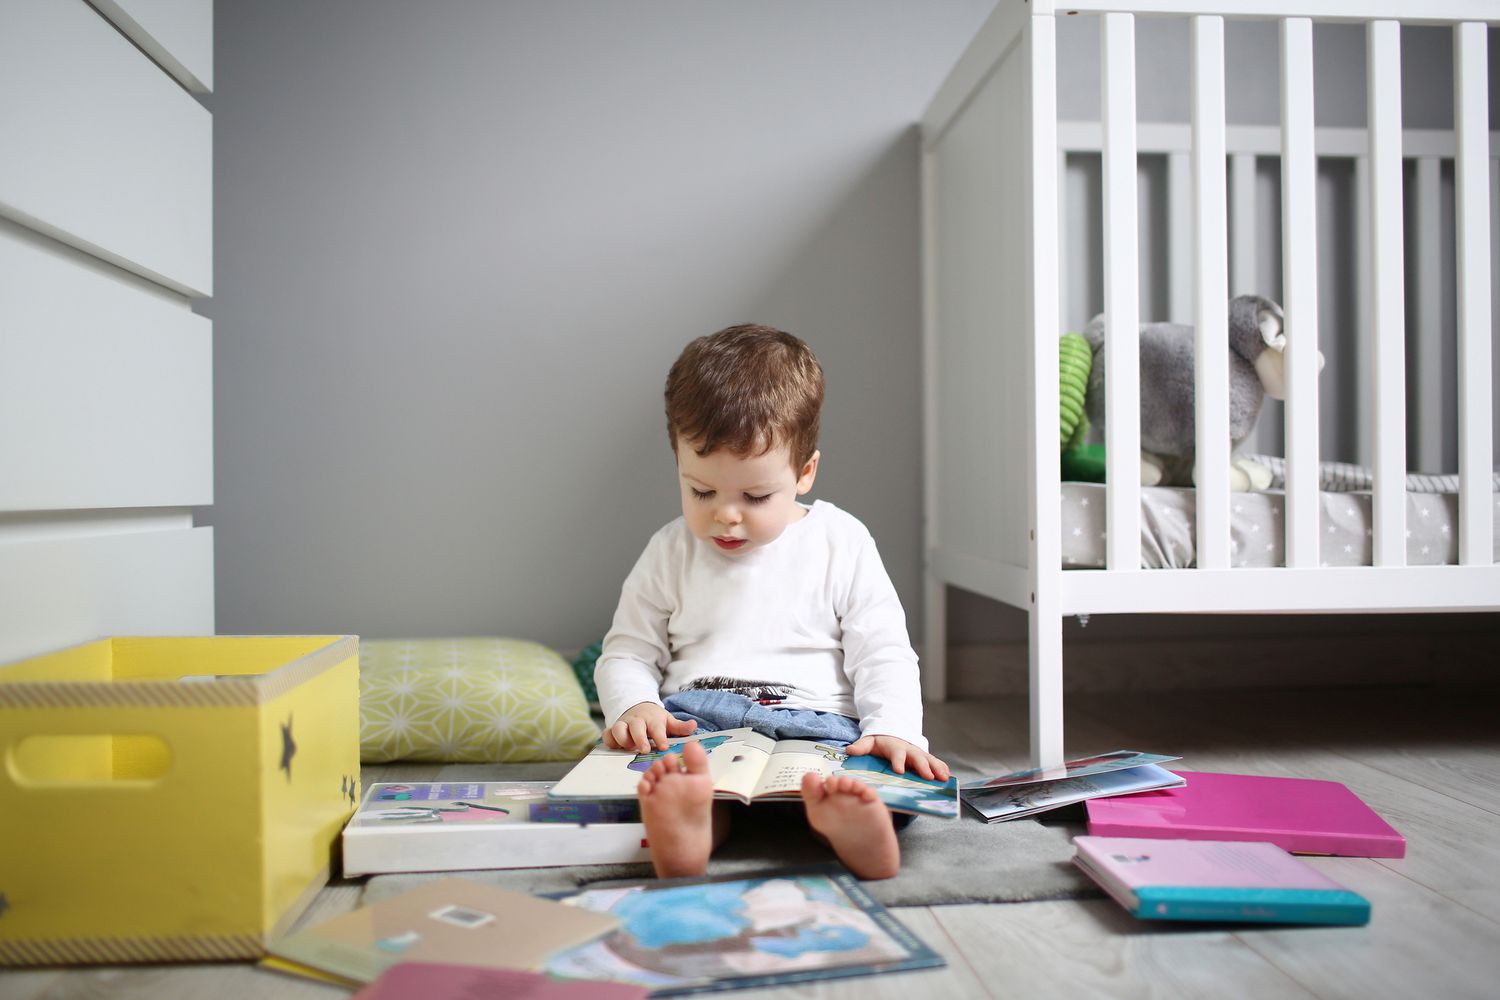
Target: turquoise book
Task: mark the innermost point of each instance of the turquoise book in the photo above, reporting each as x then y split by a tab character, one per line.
1207	880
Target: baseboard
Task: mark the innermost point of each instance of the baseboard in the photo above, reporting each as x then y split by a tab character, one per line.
985	670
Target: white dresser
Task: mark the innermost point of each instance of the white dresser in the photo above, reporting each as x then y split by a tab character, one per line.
106	373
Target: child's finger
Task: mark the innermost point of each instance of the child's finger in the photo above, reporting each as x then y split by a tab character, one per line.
898	761
638	735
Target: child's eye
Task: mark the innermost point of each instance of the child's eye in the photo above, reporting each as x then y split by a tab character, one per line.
701	494
755	499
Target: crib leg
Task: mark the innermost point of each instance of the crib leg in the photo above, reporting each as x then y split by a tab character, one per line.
1046	685
935	650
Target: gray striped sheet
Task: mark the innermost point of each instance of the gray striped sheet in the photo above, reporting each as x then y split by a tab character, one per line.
1342	477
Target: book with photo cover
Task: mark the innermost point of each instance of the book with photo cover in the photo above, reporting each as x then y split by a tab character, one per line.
1036	790
748	767
449	920
466	825
1232	881
693	935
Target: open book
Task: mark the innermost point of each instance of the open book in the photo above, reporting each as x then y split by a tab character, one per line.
1035	790
748	767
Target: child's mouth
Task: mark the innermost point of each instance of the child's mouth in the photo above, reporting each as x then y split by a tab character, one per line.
728	543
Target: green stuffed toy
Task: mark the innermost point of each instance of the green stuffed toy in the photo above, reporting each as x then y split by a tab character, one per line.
1081	461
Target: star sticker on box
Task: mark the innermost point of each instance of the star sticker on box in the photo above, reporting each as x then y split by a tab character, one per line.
288	747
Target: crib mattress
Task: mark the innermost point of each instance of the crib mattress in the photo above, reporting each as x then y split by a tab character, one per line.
1257	526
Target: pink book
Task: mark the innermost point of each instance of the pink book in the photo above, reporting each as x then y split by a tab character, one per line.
1296	814
435	981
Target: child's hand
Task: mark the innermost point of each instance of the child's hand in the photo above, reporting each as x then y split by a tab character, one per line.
902	755
641	725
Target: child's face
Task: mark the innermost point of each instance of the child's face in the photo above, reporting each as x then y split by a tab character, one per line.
740	504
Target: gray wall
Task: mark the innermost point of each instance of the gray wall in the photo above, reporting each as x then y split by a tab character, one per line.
459	243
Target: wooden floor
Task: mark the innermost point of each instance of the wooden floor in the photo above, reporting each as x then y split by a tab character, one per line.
1427	758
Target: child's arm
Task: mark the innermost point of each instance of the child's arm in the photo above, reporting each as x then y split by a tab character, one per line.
637	652
882	666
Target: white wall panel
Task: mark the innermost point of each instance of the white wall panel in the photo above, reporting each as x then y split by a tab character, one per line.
980	173
59	592
103	150
178	34
106	390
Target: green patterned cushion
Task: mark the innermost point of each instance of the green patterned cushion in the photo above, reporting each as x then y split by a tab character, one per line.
469	701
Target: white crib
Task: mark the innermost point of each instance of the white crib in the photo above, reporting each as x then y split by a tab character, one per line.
995	158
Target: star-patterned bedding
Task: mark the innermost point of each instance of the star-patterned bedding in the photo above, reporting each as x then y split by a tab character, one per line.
469	701
1257	528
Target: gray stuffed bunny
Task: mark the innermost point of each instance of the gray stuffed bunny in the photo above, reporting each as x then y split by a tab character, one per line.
1256	369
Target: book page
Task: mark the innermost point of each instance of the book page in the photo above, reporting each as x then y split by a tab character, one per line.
790	760
736	758
901	792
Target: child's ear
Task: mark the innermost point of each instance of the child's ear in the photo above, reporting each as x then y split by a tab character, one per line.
808	474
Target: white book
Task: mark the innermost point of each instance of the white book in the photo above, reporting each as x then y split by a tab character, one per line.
471	825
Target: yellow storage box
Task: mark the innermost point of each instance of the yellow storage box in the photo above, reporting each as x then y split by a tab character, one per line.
171	798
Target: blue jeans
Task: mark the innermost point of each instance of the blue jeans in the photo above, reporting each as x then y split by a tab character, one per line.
717	710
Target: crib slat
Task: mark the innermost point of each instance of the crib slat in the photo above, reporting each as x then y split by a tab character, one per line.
1211	281
1062	240
1121	298
1387	293
1427	356
1476	511
1244	273
1364	361
1045	620
1300	290
1179	237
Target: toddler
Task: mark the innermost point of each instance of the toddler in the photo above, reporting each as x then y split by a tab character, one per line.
755	610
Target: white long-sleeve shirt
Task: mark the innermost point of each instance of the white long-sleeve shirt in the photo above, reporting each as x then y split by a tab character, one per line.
813	613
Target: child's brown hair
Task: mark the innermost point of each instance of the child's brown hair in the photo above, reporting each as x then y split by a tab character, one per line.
749	389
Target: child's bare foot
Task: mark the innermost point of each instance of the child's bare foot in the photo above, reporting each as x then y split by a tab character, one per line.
855	822
677	798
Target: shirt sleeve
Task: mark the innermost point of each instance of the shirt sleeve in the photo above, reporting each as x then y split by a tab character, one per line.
636	650
878	658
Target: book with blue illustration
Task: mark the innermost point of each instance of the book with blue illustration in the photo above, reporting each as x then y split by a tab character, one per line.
684	936
748	767
1230	881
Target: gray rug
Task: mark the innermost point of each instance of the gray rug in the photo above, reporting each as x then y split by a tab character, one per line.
942	861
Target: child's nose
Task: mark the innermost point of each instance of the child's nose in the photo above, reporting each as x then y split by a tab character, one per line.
727	514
